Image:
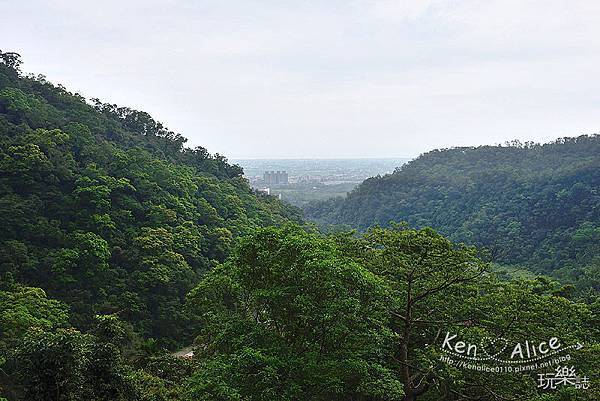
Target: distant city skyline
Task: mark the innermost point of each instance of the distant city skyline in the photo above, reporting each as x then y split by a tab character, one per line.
319	158
337	79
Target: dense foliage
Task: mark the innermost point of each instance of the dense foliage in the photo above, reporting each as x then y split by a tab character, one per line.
295	315
103	207
117	242
532	205
299	315
289	317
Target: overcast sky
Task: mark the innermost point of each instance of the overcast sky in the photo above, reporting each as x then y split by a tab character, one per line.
326	78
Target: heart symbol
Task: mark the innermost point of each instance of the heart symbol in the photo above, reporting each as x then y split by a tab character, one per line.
492	347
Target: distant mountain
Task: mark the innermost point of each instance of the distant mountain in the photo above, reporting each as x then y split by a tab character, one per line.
530	204
104	208
117	242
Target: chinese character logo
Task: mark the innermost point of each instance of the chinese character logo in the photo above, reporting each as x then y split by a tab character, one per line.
563	376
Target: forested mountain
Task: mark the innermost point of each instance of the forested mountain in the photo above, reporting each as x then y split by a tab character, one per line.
529	204
104	208
118	244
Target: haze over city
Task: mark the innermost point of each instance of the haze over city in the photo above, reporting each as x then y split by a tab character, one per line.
335	79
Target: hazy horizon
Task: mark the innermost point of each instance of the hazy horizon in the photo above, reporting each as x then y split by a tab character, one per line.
322	158
326	80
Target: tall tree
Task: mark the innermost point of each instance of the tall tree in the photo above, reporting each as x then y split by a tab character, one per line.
290	317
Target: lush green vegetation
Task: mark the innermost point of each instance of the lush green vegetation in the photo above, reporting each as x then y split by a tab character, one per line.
530	205
119	243
104	208
300	194
295	315
299	315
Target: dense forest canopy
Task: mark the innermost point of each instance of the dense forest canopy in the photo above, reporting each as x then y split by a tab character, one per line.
533	205
106	210
119	244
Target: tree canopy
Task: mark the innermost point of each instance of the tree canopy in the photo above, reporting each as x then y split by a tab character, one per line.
103	208
342	317
530	205
119	244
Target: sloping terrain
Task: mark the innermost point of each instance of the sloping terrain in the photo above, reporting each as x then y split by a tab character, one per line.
105	209
529	204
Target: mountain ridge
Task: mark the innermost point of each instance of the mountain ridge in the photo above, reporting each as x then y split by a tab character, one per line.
105	209
529	204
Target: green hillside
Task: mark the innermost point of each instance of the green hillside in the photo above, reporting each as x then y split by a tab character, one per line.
105	209
118	245
528	204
